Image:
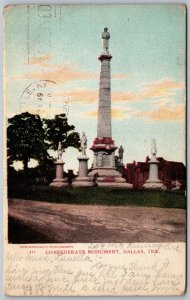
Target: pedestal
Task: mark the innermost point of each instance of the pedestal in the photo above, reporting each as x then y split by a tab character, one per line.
153	181
82	180
104	171
59	180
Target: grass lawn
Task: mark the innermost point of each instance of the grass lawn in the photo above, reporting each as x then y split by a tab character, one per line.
100	196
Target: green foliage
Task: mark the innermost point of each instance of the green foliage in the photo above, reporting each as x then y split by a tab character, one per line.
26	139
100	196
58	130
30	137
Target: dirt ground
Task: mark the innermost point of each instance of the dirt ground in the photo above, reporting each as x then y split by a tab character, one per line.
35	222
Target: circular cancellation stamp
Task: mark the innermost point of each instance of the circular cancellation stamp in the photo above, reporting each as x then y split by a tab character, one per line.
40	97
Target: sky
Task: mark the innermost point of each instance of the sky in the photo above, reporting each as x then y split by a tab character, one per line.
51	66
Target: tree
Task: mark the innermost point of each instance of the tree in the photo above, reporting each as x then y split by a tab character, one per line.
26	139
30	137
58	130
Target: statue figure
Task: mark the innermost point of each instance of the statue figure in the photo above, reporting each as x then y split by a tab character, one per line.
59	151
105	37
153	149
176	185
121	151
83	143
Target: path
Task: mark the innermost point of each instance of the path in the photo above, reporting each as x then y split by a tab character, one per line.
32	221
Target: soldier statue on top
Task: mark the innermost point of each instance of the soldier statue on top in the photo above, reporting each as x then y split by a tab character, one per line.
105	38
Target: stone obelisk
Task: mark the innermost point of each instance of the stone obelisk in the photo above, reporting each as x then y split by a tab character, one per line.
153	181
103	146
104	106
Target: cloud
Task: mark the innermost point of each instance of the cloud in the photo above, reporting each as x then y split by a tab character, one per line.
164	102
124	97
79	95
159	95
158	89
88	96
44	61
162	106
59	74
164	88
116	112
40	60
119	76
175	113
40	68
92	113
43	112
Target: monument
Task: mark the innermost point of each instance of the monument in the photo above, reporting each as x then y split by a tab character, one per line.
104	167
153	181
82	178
59	180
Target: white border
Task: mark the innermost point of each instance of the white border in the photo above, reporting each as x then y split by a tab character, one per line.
8	2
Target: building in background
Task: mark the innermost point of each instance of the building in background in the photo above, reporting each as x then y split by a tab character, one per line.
173	174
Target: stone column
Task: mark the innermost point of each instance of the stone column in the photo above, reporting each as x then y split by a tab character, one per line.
83	166
59	180
82	179
104	107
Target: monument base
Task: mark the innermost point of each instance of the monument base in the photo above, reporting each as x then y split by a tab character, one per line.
82	182
108	177
123	185
59	182
104	172
154	184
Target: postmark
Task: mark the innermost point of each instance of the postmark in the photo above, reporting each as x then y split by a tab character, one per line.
41	41
40	97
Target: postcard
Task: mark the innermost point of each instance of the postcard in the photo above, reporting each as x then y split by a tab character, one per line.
95	165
